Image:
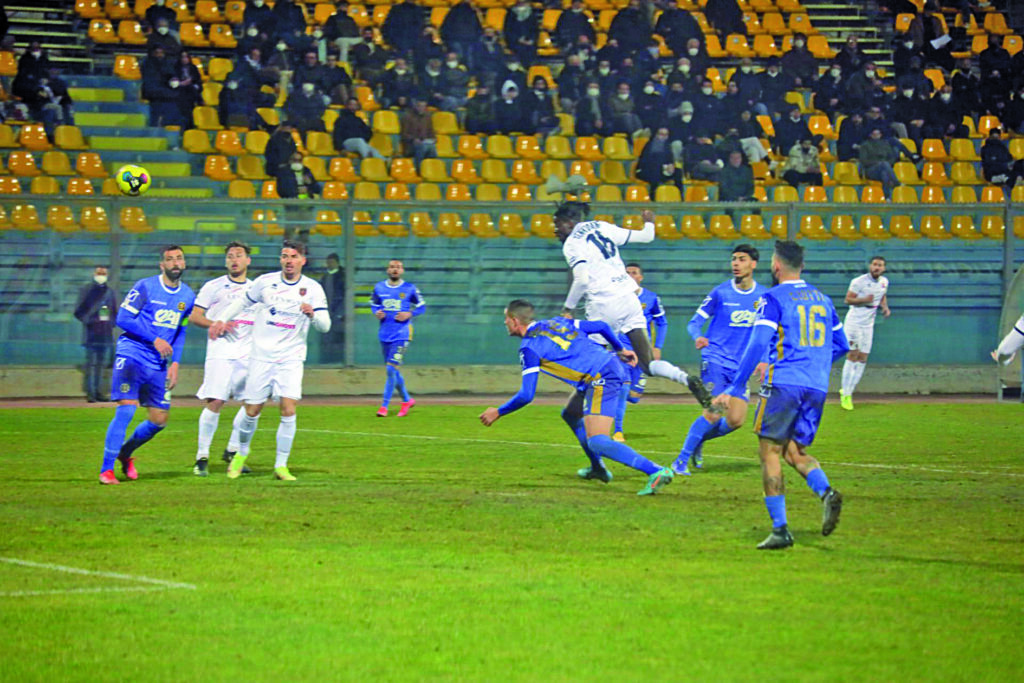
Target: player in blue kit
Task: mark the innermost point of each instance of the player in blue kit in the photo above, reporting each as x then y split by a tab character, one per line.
801	331
395	303
561	348
657	329
731	308
153	316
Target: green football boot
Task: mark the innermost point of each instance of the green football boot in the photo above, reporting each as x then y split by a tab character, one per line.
656	482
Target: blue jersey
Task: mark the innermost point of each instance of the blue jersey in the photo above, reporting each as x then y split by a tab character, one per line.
732	312
807	335
152	310
392	300
657	323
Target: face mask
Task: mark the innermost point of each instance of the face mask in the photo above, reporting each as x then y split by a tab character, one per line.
253	32
540	92
946	97
515	66
307	88
451	65
908	45
593	92
798	43
772	74
652	51
296	166
604	71
400	72
318	34
623	95
684	69
869	73
281	47
232	85
100	279
908	93
163	30
707	91
687	117
693	51
332	271
795	118
433	72
160	2
577	10
746	69
835	73
258	3
37	54
649	89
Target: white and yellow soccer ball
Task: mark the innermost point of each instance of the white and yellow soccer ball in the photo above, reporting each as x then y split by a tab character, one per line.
133	180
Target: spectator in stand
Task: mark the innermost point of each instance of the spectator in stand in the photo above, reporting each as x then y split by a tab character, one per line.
611	53
336	81
189	87
803	164
305	108
630	28
428	47
461	30
157	71
513	71
429	82
333	283
683	131
342	30
160	11
521	30
906	48
644	62
454	82
789	131
418	139
47	100
571	83
725	16
252	39
876	119
236	106
914	79
539	108
487	57
258	13
775	83
309	71
997	164
702	160
352	134
994	92
907	116
851	58
403	27
288	18
650	107
656	165
298	42
864	88
799	63
161	36
621	110
748	86
966	81
876	159
698	57
944	117
830	91
1017	68
510	116
34	62
297	181
398	87
736	180
480	112
750	134
572	24
605	77
586	51
852	132
707	108
589	115
369	58
676	26
279	150
319	45
674	99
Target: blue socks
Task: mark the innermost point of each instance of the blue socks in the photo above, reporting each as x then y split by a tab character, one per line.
776	510
115	435
700	431
143	433
400	385
604	446
818	482
581	435
394	381
620	409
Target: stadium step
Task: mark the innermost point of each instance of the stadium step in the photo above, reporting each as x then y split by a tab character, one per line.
111	108
183	193
119	120
201	223
162	169
80	95
128	143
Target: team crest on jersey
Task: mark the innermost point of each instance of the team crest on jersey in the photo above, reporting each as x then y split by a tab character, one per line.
125	387
181	305
302	292
401	295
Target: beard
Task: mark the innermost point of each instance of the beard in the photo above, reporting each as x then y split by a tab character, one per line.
174	274
775	278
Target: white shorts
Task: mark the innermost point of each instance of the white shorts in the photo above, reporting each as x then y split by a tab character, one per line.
223	379
860	337
267	380
622	314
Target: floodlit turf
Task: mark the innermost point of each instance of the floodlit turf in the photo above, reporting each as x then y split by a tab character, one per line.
430	547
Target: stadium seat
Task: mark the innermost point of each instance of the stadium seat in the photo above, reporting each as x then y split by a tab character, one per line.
693	227
752	227
129	32
205	118
553	167
608	193
665	228
906	173
445	148
374	170
57	163
934	173
584	169
932	194
9	185
872	227
102	32
963	227
528	147
637	193
44	185
445	123
219	68
519	193
457	192
464	171
843	227
241	189
566	124
903	194
819	47
845	195
765	46
932	149
488	193
126	67
320	144
228	142
812	227
525	172
90	164
736	46
197	141
341	169
366	191
542	225
433	170
995	23
70	137
211	93
494	171
7	138
386	122
250	167
962	149
482	225
22	163
89	9
471	147
363	224
80	187
397	192
800	22
109	188
450	225
392	224
59	217
965	173
221	36
614	173
334	190
964	195
95	219
217	167
872	194
932	227
993	227
993	194
511	225
33	137
696	193
557	147
428	192
785	194
815	194
617	149
500	147
589	149
25	217
722	227
269	115
779	226
404	171
421	224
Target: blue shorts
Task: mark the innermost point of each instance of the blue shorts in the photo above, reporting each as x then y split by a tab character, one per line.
718	378
601	394
137	380
394	351
637	382
787	413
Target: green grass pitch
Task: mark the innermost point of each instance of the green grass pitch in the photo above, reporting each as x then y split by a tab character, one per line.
430	547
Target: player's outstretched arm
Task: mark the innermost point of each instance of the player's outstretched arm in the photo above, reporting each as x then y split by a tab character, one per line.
602	328
198	317
523	397
1010	344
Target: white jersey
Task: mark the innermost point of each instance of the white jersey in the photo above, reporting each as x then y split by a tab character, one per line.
280	328
594	247
215	296
863	286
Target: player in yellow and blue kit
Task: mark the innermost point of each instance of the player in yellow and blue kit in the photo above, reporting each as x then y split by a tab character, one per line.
731	308
395	303
153	316
561	348
657	329
799	327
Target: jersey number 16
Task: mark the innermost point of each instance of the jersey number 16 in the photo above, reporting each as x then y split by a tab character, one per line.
603	244
812	327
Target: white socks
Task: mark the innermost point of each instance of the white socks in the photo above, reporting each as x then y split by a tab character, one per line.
852	372
246	429
285	436
662	368
207	428
235	426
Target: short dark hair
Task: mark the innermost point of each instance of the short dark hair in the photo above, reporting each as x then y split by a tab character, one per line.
790	253
748	249
876	257
296	245
170	247
520	309
333	255
241	245
572	211
636	265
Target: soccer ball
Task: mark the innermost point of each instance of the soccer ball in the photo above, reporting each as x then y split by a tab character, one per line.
133	180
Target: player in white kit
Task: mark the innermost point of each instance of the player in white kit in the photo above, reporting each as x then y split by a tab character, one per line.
291	303
591	249
867	294
227	358
1010	344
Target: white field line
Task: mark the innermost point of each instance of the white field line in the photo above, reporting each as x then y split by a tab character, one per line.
155	584
830	463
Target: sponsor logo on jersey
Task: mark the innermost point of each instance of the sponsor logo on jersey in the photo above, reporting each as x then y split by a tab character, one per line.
742	318
165	317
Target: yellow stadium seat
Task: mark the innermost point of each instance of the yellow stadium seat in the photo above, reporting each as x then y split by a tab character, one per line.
211	93
617	149
820	125
90	164
542	225
70	137
33	137
525	172
993	227
722	227
993	194
872	194
397	192
222	36
95	219
208	12
714	47
815	193
819	47
374	170
270	116
217	167
367	191
906	173
320	144
693	227
101	31
7	138
219	68
637	193
964	195
779	226
404	171
613	172
932	227
962	149
471	147
608	193
89	9
110	188
363	224
736	46
963	227
903	194
421	224
328	222
873	228
450	225
557	147
519	193
130	32
566	124
500	147
665	228
126	67
695	193
428	192
9	185
553	167
241	189
61	219
932	149
133	219
464	171
584	169
774	24
1013	44
528	147
341	169
903	22
931	194
197	141
205	118
386	122
445	148
986	124
801	23
57	163
494	171
192	35
812	227
445	123
995	22
482	225
752	227
902	227
785	193
457	192
22	163
765	46
25	217
250	167
228	142
44	185
511	225
965	173
843	227
488	193
934	173
433	170
845	195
